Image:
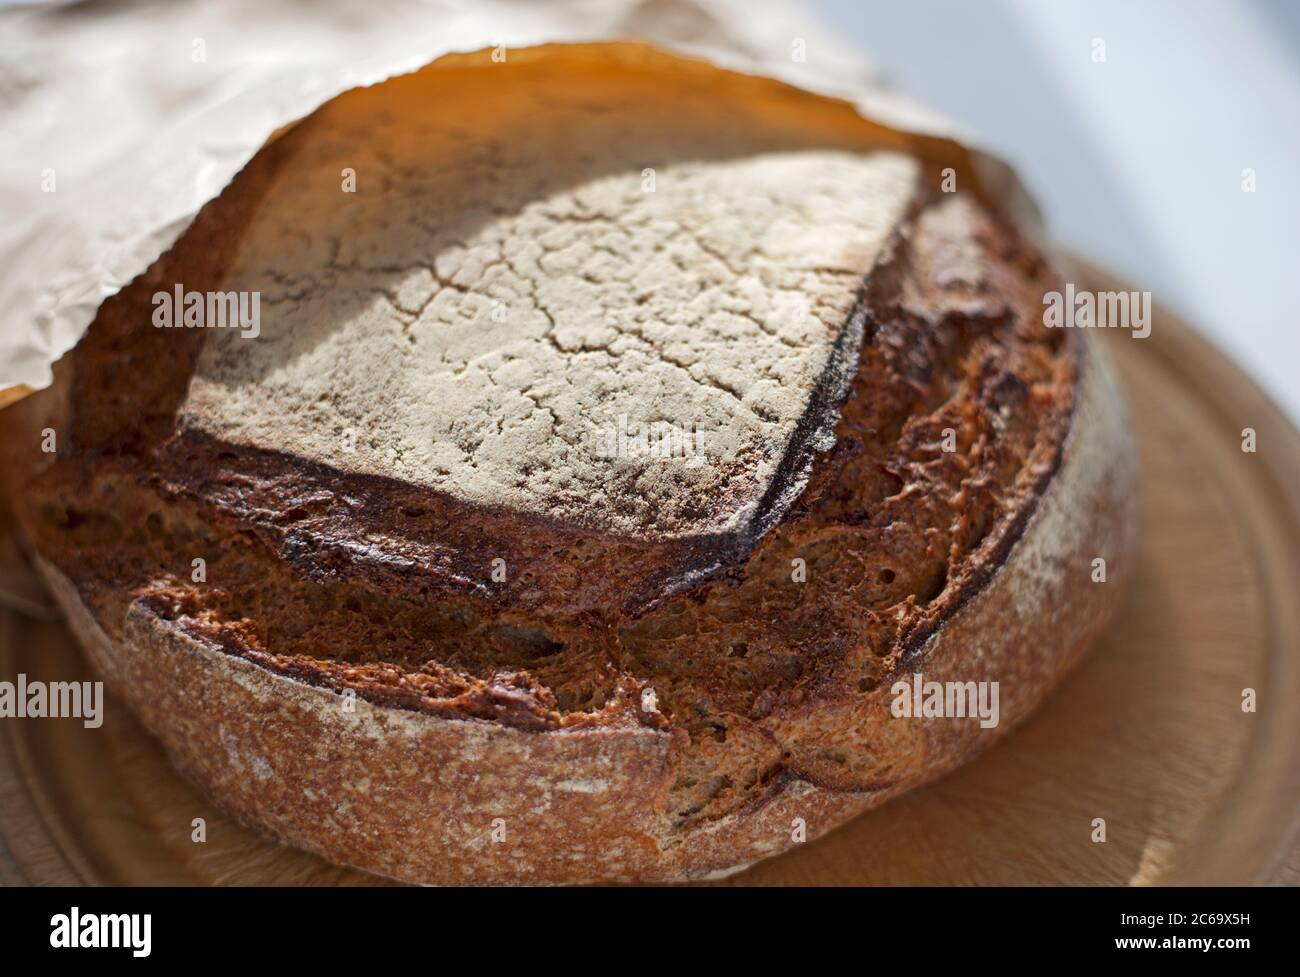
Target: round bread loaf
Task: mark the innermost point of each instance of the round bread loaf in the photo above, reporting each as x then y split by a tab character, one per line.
606	462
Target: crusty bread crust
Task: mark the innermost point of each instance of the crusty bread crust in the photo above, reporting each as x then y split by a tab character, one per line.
417	797
351	680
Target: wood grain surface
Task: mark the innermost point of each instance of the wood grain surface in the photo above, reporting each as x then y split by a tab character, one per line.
1149	733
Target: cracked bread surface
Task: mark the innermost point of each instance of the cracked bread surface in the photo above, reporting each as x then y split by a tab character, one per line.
373	575
474	329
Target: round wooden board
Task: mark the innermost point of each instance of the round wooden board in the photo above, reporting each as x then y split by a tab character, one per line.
1149	733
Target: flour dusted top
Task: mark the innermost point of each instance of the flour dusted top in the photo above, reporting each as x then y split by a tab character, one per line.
601	320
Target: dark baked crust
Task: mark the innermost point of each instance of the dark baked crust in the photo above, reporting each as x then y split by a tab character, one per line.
416	796
771	695
895	532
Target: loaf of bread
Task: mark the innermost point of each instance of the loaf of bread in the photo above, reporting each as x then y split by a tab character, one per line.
605	454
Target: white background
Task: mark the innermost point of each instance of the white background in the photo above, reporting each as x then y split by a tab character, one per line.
1137	161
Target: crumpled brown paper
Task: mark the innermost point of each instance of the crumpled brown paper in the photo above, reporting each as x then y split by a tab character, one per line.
124	119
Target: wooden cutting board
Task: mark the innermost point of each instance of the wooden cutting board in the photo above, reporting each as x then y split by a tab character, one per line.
1149	733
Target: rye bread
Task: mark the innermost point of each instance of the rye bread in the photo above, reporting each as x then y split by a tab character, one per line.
671	662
